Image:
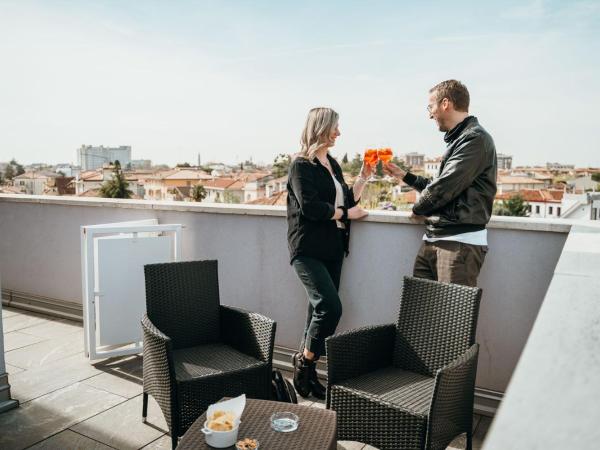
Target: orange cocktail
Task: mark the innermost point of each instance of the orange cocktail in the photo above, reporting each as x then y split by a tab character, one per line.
385	155
370	157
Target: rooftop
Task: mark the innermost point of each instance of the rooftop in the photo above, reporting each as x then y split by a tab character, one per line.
48	370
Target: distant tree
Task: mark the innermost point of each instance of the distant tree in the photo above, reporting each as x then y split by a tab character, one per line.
400	163
61	173
230	197
185	164
161	167
117	187
596	177
198	193
354	166
1	178
19	169
248	164
281	164
345	159
128	166
9	172
514	206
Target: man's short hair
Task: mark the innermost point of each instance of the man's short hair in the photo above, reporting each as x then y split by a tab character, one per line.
454	91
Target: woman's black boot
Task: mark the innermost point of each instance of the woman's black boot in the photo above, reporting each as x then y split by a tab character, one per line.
316	388
302	370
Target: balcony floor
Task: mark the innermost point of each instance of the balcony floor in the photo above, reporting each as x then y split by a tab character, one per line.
65	402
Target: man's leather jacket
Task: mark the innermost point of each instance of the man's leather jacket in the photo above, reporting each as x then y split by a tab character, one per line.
460	198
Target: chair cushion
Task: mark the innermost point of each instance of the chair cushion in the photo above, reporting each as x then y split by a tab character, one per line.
408	390
210	359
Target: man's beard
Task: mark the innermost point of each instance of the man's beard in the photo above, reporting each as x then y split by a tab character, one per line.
442	128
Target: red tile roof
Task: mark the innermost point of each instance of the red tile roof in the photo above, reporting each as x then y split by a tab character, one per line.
504	179
279	199
535	195
223	183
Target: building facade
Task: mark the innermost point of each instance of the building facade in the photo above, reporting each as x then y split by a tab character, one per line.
413	159
33	183
92	158
431	166
504	161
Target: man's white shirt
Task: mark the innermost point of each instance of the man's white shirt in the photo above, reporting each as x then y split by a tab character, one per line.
472	237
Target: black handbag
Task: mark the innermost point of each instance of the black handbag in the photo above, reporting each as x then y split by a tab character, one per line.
281	389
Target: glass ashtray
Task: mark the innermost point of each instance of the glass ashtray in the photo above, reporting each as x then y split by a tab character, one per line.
284	422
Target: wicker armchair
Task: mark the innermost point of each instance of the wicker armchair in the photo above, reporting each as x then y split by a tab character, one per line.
409	385
197	351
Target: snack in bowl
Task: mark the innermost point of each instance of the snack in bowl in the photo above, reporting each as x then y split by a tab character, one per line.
221	421
247	444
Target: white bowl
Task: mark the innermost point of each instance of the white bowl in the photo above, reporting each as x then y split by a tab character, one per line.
220	439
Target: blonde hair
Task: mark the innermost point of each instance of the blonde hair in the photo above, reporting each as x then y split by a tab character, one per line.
319	124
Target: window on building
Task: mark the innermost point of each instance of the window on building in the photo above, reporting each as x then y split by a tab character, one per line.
594	213
550	210
537	209
558	211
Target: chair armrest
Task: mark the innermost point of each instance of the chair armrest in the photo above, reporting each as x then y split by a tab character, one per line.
249	332
451	410
158	369
359	351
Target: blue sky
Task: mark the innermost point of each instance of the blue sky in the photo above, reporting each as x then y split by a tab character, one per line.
234	79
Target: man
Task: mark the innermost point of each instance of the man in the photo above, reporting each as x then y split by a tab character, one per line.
456	205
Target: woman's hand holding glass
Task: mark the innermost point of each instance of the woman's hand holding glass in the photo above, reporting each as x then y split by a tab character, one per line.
366	171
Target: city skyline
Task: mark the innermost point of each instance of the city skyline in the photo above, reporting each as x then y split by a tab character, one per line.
234	81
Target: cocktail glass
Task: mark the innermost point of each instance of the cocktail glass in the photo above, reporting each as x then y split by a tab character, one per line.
370	159
385	155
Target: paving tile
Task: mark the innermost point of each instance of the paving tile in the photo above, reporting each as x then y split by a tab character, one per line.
349	445
122	427
9	312
20	321
118	383
52	413
16	339
13	370
162	443
45	352
42	380
69	440
481	432
54	328
121	376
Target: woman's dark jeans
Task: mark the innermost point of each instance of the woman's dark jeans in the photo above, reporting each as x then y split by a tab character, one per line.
321	279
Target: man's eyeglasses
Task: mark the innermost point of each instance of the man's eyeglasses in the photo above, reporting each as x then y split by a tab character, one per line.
430	107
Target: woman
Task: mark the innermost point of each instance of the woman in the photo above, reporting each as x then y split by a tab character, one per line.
319	208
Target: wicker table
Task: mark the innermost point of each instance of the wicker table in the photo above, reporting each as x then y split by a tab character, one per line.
317	429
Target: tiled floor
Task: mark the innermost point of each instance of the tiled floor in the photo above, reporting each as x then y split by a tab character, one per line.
67	403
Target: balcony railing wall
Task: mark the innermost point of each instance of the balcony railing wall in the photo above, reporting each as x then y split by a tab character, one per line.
40	259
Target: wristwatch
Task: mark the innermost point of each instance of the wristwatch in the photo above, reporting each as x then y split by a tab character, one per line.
344	213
